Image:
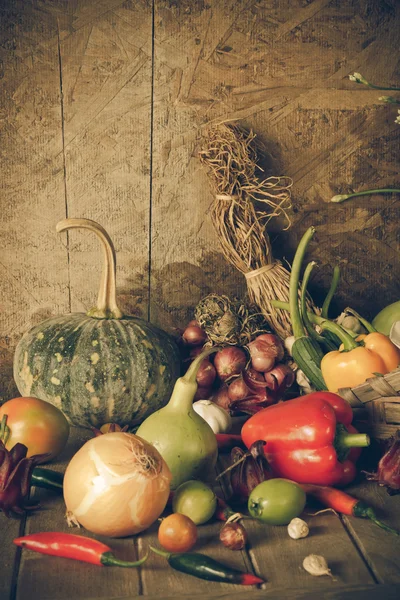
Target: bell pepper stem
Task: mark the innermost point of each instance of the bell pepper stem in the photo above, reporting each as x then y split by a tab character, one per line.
343	197
353	440
346	339
345	440
331	292
295	316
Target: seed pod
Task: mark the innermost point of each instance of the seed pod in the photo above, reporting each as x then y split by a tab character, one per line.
233	536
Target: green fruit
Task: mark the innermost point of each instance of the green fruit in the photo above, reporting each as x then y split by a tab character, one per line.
195	500
102	366
384	320
276	501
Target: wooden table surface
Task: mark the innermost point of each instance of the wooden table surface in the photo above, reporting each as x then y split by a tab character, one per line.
364	559
104	107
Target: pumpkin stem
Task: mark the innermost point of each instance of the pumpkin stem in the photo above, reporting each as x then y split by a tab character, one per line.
106	307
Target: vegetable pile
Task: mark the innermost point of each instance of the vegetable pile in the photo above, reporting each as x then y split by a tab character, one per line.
297	440
241	379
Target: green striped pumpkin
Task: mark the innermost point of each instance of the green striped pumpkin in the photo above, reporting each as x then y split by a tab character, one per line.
100	367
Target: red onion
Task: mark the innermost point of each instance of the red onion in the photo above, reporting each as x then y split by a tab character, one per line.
273	341
221	397
388	472
254	379
279	378
203	393
238	390
265	350
194	335
233	536
230	361
193	323
206	374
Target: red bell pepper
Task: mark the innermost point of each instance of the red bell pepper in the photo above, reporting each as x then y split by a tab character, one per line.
309	439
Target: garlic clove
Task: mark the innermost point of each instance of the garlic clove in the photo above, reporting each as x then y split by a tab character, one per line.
298	528
316	565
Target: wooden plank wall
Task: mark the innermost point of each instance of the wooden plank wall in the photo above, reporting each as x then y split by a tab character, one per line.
104	106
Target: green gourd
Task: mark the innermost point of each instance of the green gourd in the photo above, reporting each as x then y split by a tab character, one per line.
384	320
101	366
183	438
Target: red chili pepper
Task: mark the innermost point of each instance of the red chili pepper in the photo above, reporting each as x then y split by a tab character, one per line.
308	439
77	547
344	503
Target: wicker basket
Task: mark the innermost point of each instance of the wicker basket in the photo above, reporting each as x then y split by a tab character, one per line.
376	405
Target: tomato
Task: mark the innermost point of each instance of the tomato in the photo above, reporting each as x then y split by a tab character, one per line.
177	533
39	425
276	501
195	500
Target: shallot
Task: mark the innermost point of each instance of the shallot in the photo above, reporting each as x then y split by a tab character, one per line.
265	350
233	536
206	374
229	361
388	472
279	378
221	397
194	335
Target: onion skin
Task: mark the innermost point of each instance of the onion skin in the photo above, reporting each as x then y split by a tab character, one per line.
128	500
265	350
280	378
206	374
221	397
238	390
230	361
203	393
194	335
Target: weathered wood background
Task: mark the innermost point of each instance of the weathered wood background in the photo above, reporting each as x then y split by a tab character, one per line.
105	104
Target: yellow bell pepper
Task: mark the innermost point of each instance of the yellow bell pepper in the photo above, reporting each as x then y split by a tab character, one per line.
353	363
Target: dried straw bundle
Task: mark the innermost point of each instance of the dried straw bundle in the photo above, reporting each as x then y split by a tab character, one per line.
231	158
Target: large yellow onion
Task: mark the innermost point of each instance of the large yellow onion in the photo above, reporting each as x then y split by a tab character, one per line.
116	485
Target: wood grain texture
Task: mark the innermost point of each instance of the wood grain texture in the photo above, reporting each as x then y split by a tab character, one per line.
33	261
106	79
379	546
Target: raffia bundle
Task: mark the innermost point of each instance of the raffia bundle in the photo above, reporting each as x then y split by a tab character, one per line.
231	158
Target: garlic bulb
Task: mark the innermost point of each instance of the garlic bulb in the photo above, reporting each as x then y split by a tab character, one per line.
298	528
217	417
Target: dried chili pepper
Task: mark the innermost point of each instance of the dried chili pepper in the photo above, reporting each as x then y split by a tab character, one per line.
204	567
77	547
15	478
